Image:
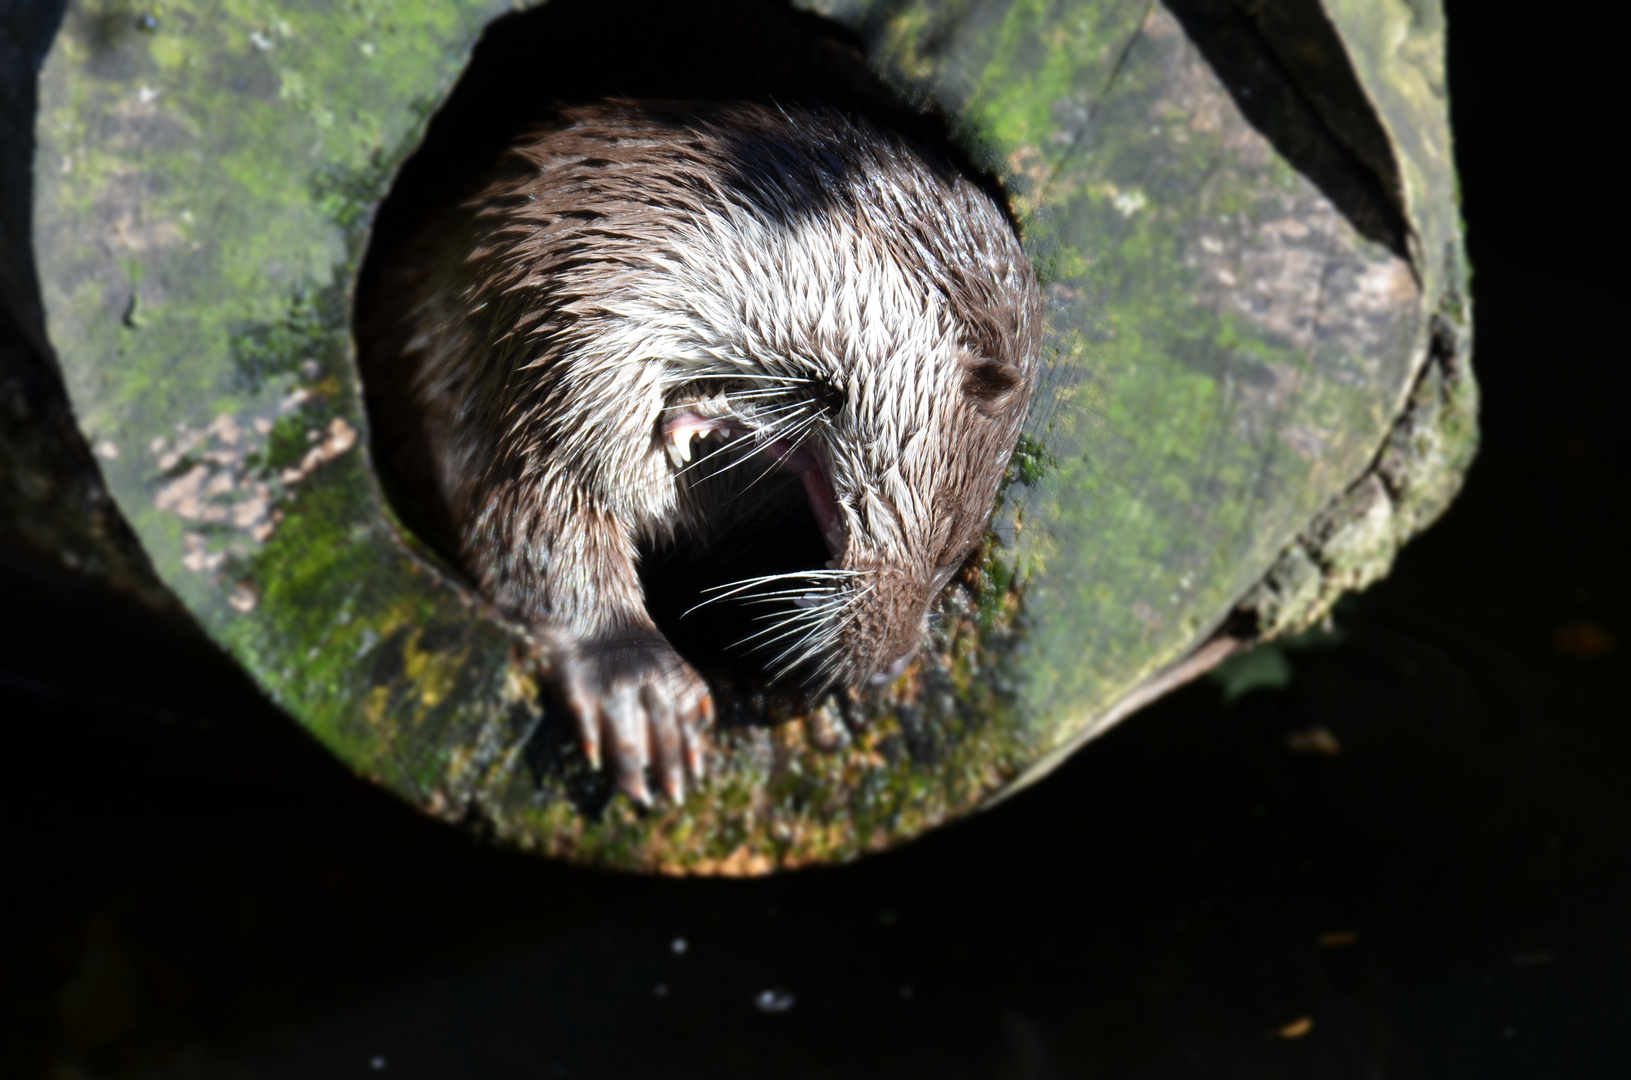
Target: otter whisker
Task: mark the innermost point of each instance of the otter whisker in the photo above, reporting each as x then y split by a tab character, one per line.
814	616
792	592
771	425
790	616
803	422
768	418
707	459
711	600
830	572
811	642
790	658
805	603
809	649
735	588
795	434
788	628
801	614
752	483
729	396
830	679
746	450
746	375
803	598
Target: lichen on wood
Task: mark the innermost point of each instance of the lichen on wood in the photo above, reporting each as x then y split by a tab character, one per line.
1258	387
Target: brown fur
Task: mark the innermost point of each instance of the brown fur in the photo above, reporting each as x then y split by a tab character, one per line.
863	308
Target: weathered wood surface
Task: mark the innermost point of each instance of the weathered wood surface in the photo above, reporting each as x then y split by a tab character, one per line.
52	500
1257	326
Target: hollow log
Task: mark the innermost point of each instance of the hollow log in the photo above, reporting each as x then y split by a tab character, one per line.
1258	381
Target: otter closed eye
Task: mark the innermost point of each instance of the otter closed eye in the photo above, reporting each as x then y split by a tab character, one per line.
657	320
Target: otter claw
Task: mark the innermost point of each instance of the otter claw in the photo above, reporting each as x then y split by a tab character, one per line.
666	737
641	707
630	740
586	714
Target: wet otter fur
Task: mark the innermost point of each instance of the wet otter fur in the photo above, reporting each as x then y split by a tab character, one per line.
657	319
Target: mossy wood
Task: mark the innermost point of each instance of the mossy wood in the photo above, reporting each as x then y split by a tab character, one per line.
1245	219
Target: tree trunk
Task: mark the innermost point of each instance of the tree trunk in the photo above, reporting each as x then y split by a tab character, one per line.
1257	336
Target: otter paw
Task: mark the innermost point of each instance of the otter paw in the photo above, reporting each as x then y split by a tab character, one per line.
641	707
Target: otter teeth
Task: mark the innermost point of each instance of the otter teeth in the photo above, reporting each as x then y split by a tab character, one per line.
679	446
680	430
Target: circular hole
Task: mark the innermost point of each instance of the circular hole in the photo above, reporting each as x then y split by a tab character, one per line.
581	51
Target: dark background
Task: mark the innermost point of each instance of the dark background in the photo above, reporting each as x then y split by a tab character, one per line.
190	888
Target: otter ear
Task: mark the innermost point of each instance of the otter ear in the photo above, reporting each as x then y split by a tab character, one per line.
991	382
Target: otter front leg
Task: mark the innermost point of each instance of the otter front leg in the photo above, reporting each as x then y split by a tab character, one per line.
636	703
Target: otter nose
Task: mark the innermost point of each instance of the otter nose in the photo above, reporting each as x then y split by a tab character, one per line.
892	672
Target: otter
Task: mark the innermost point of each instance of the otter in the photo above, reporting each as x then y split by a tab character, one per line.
664	319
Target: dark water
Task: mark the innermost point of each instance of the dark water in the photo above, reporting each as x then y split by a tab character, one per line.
189	889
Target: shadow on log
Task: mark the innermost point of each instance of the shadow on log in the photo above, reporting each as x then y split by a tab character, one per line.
1256	335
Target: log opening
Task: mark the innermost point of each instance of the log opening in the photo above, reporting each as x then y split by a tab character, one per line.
567	52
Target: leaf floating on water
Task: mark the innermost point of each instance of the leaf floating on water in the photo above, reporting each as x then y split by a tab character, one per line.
1583	640
1316	740
1296	1029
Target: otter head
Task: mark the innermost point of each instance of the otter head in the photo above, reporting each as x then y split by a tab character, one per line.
866	320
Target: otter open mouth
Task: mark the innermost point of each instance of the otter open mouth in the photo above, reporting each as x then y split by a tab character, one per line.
791	530
715	419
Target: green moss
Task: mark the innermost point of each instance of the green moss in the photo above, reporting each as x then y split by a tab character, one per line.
313	330
1218	387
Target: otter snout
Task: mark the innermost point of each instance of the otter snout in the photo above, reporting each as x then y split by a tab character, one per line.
888	618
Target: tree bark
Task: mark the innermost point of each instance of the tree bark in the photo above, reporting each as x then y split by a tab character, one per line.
1259	385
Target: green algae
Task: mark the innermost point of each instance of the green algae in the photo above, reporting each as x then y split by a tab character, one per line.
1210	425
